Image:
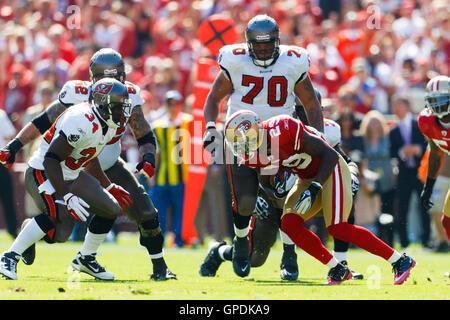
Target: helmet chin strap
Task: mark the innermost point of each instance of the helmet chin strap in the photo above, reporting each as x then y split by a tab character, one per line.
108	122
263	63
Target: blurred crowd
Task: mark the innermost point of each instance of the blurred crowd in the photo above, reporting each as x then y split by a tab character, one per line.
367	57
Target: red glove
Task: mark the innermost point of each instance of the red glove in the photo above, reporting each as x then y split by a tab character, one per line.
120	194
8	153
147	166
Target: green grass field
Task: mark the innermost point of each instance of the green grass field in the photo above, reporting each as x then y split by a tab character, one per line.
52	278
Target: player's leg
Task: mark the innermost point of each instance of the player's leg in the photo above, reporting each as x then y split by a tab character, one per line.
40	226
337	202
438	196
293	225
341	247
446	215
143	212
244	189
105	210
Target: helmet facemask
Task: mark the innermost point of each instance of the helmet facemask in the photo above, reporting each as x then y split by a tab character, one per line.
438	104
261	31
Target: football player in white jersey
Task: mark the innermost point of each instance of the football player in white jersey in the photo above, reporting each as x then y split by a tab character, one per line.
263	76
55	173
434	123
268	211
107	63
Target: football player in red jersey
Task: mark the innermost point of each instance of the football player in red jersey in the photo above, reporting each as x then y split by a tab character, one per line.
434	123
282	142
107	63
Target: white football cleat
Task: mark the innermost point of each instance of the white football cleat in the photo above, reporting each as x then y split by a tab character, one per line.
8	265
88	264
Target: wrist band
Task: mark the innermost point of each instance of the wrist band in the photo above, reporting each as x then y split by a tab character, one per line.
210	124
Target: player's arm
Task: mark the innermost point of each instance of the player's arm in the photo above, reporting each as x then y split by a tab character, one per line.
146	140
31	131
434	164
221	88
316	148
120	194
354	170
305	92
95	170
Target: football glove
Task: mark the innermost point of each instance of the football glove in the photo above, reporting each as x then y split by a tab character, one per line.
425	195
307	198
8	153
284	185
261	209
354	175
147	166
76	207
211	134
120	194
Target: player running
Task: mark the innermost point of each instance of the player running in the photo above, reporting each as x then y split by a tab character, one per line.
434	123
268	211
107	63
324	183
263	76
55	173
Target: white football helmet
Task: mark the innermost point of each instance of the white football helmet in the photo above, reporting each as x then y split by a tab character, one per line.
242	134
437	95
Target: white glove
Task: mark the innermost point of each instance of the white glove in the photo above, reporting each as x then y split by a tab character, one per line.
307	198
76	207
261	209
354	171
286	183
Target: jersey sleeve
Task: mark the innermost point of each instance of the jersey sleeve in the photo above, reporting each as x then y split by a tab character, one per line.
228	56
293	129
134	93
299	62
75	128
424	121
74	92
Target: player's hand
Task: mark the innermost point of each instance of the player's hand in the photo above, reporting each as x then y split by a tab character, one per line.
261	209
354	175
425	195
211	135
284	184
121	195
147	166
76	207
8	153
307	198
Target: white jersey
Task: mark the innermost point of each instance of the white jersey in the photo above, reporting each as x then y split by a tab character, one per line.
83	131
77	91
266	91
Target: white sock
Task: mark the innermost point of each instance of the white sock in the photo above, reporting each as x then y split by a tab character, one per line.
333	262
157	255
92	242
340	256
395	256
222	250
285	238
242	233
29	235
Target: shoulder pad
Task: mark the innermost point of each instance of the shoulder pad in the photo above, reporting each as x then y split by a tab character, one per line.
297	58
231	56
134	92
74	92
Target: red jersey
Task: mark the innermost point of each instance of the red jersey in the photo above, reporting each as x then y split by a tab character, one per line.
284	135
432	129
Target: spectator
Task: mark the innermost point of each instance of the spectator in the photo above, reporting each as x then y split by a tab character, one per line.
7	132
53	68
171	170
407	146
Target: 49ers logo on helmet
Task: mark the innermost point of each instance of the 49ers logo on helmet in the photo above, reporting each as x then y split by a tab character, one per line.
243	127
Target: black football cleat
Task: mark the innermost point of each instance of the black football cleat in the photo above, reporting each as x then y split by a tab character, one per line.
289	266
402	268
29	254
212	261
241	259
356	275
339	274
163	275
